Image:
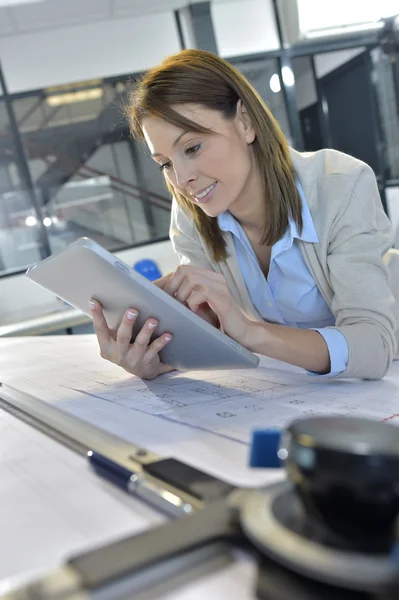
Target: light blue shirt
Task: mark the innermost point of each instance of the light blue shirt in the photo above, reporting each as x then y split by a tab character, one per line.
289	294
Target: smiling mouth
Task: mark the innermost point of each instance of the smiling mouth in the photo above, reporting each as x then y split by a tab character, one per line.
205	193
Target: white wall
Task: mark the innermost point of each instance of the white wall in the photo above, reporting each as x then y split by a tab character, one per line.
101	49
244	27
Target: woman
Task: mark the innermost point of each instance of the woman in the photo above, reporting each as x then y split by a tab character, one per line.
282	250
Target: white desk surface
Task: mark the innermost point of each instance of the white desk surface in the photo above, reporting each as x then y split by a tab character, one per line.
53	506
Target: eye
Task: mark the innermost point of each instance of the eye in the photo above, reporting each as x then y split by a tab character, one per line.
193	150
166	166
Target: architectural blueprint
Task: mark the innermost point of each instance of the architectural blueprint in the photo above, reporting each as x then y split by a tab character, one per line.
229	404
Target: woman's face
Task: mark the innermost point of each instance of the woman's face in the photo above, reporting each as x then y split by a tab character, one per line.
213	170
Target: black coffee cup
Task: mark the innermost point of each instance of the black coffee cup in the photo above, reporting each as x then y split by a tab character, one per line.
346	473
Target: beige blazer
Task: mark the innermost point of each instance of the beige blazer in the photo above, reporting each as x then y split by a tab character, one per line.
346	264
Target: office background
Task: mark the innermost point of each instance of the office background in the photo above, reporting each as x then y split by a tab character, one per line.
329	72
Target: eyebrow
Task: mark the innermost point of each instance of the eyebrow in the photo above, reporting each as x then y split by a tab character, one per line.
177	140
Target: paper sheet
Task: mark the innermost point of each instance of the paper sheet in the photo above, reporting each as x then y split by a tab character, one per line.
205	418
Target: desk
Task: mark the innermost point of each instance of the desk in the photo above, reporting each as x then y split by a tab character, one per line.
67	371
53	502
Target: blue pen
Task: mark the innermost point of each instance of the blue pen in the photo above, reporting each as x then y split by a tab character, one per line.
139	484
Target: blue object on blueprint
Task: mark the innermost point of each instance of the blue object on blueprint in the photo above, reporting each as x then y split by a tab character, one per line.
148	268
264	449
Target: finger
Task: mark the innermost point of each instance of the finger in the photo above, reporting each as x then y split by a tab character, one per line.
163	368
186	278
217	302
187	286
156	346
195	281
124	333
104	336
144	337
177	277
206	313
196	299
162	281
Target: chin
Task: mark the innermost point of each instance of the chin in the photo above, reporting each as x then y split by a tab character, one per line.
214	209
213	212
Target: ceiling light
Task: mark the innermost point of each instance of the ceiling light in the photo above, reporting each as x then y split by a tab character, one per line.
275	84
72	87
31	221
349	29
320	19
72	97
288	76
14	2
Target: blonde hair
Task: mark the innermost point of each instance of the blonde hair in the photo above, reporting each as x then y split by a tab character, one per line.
199	77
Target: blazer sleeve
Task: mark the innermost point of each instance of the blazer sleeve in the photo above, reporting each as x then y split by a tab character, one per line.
186	240
363	302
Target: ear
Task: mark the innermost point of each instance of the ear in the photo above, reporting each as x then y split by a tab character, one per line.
244	122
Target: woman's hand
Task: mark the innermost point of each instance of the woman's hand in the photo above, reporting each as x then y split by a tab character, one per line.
207	294
204	311
140	358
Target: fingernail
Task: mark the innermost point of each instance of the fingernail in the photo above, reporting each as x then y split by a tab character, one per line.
131	314
168	338
92	304
152	325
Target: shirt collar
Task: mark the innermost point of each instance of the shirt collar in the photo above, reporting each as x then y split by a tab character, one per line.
227	222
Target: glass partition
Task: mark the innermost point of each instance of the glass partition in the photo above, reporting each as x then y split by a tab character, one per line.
263	74
89	177
19	238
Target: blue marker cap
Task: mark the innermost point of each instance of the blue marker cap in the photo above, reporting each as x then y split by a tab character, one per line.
110	470
264	448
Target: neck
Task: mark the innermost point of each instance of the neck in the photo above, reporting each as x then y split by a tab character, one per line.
250	208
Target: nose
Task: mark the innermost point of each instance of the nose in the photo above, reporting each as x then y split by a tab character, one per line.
185	174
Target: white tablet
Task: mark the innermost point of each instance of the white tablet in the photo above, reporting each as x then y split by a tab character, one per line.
85	270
